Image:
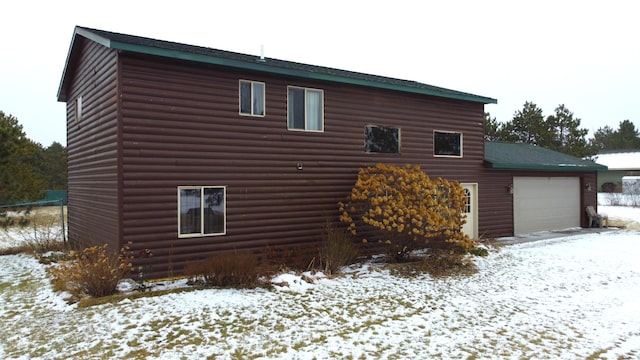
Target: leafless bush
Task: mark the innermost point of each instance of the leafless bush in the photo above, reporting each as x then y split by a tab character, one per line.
93	271
237	270
338	248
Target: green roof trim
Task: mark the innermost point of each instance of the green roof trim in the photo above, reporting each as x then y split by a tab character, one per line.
500	155
199	54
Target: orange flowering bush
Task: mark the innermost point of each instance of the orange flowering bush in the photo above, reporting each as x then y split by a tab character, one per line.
403	207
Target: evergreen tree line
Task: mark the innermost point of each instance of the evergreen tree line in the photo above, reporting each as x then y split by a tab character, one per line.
27	168
561	132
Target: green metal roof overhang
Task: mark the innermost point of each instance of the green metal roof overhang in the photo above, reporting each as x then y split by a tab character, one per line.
510	156
266	67
547	167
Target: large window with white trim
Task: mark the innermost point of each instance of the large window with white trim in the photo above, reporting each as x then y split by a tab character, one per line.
305	109
202	211
447	143
251	98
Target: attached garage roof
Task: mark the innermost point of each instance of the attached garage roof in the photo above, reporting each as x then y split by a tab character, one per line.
143	45
500	155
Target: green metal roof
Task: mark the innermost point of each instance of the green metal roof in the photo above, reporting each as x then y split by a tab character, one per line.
168	49
500	155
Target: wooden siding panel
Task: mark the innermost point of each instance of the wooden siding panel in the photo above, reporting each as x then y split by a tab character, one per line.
180	126
92	152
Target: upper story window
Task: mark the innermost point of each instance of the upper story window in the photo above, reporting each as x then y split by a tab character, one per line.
447	144
378	139
201	211
251	98
305	109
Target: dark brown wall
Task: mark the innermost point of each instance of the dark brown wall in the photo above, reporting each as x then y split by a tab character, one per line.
181	127
92	147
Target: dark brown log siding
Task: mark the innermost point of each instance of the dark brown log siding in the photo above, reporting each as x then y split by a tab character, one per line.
180	126
92	148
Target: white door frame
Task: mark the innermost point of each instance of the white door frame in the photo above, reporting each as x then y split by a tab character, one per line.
471	227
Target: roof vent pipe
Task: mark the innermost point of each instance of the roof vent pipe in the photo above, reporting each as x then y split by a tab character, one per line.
261	54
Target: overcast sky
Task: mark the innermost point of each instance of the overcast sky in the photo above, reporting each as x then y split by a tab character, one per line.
584	54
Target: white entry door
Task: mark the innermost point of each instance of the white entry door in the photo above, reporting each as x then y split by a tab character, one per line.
471	211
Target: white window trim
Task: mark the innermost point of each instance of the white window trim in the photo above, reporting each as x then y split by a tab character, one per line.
449	132
224	206
306	122
264	98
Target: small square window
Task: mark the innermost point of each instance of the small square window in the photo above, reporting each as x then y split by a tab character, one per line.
252	98
447	144
305	109
201	211
378	139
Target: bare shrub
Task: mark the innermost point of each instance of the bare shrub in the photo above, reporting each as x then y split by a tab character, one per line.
37	230
93	271
298	258
44	234
237	270
338	248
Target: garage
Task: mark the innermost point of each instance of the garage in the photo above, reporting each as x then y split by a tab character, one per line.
545	203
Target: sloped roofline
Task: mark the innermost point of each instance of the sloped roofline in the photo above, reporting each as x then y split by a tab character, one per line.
521	156
173	50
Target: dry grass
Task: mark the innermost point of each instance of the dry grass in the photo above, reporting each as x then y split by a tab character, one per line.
437	263
33	231
338	248
36	216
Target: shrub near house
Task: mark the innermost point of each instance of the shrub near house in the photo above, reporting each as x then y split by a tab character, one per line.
402	207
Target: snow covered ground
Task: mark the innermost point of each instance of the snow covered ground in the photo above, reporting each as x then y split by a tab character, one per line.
570	297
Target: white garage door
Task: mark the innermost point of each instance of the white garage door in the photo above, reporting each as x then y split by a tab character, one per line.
545	203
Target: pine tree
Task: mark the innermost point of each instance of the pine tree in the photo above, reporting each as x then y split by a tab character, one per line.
528	126
20	179
624	138
566	136
492	128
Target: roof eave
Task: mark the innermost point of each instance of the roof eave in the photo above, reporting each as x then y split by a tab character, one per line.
550	167
263	67
87	34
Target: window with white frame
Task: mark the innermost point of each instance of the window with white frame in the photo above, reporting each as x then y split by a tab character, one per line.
447	143
305	109
379	139
252	98
202	211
